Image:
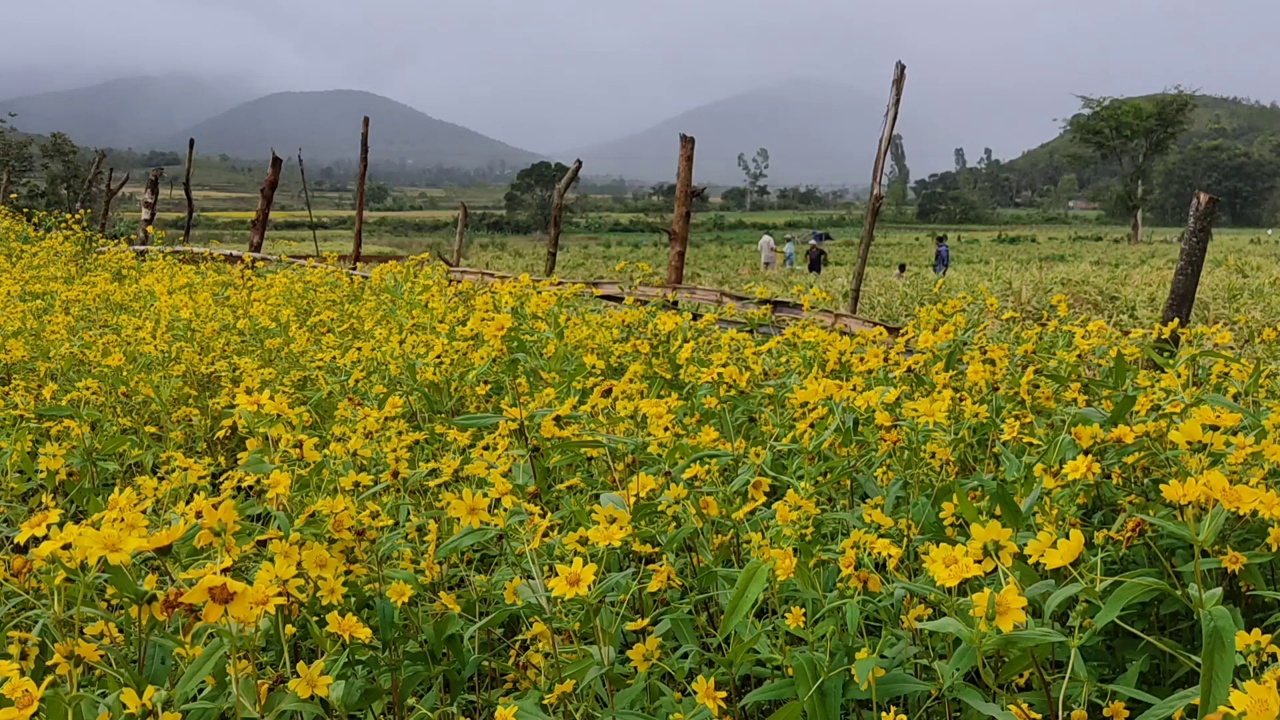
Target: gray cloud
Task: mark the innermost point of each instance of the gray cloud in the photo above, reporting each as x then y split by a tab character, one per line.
553	75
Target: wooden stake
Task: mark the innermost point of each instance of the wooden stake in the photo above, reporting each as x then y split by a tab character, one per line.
557	212
186	190
679	235
266	196
877	184
110	194
150	197
358	242
1195	245
1135	223
311	219
95	172
462	234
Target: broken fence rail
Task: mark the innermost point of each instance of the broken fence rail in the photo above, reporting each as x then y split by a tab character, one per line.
786	311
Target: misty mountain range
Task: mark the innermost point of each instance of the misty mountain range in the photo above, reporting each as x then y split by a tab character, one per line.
816	133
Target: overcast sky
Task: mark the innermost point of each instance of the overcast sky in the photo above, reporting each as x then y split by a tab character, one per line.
553	75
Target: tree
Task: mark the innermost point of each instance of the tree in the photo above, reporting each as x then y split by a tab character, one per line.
899	175
962	163
1132	135
755	170
378	195
529	196
64	173
16	158
1066	191
734	198
1240	177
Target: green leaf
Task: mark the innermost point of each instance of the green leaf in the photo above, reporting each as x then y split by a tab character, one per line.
159	664
295	704
892	685
809	687
200	668
950	626
770	691
752	581
1027	638
974	699
1218	656
1133	590
1170	705
1132	693
463	540
791	711
477	421
1060	596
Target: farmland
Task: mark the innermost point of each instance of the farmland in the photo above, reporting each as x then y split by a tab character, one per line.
272	492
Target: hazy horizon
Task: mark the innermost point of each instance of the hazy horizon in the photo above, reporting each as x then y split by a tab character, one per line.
551	78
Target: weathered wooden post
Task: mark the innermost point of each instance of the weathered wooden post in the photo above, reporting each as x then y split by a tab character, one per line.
1195	245
186	190
877	184
109	194
358	242
306	194
266	196
557	212
150	196
679	235
95	172
462	234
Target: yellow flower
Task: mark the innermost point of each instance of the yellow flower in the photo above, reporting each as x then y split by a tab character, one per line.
572	580
25	696
795	618
1233	561
704	691
506	712
892	714
470	510
1022	711
994	542
1009	607
1037	546
311	681
644	654
219	595
37	525
399	593
1115	710
559	691
133	703
510	594
1257	701
348	627
1079	714
1065	552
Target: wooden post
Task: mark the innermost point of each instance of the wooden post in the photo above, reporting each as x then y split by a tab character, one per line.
95	171
679	236
557	212
358	242
1135	223
462	234
186	190
311	219
266	196
150	196
110	193
877	189
1195	245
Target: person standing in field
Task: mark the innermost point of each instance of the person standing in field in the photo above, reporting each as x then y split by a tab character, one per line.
901	275
816	258
789	253
941	257
768	253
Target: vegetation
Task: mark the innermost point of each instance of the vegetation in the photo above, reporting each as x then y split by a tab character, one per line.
277	492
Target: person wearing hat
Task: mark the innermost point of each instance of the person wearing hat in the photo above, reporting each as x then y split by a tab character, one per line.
789	253
816	257
768	253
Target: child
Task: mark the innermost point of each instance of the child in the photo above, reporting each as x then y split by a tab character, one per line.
901	275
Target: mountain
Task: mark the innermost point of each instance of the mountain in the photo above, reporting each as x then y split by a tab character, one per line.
126	113
1241	122
814	132
326	125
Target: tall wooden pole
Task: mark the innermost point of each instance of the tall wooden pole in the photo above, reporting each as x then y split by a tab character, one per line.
266	196
462	234
679	236
186	190
311	219
150	196
557	213
358	242
109	194
877	184
95	172
1195	245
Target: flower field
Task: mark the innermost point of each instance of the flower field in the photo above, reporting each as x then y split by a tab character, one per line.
283	492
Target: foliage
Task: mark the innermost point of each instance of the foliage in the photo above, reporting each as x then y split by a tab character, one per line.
64	171
756	171
898	178
273	491
1242	178
530	195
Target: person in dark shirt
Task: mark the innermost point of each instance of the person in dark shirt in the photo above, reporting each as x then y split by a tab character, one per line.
942	257
816	257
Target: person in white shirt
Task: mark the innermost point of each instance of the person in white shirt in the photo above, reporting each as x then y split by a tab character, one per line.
768	253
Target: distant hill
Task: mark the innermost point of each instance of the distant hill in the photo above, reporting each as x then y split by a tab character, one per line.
815	133
326	125
1238	121
127	113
